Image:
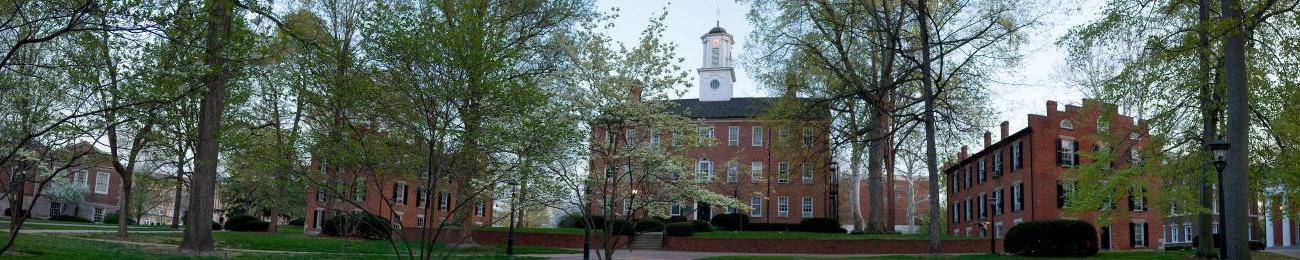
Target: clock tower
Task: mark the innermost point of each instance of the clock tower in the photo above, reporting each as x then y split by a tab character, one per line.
716	74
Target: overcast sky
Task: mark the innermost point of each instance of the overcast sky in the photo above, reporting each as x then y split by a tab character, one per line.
1024	90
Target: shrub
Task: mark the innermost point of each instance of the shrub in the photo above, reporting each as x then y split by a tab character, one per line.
70	218
598	222
362	225
1052	238
648	224
733	221
297	222
111	218
681	229
9	212
676	219
216	226
621	227
243	223
701	226
821	225
1256	245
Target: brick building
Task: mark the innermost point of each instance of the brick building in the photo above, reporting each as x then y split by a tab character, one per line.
399	198
1017	177
92	171
916	189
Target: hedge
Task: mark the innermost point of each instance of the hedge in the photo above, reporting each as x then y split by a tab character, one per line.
649	224
111	218
216	226
363	225
1052	238
733	221
243	223
821	225
297	222
701	226
681	229
676	219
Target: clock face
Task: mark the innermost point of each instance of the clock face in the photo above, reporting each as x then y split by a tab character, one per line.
715	42
714	84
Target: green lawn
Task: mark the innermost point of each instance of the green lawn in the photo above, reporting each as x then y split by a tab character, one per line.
292	239
34	223
570	231
1145	255
819	236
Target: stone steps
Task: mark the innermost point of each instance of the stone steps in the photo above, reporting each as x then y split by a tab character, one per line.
648	241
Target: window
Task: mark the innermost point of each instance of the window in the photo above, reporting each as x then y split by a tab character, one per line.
320	194
1067	124
704	170
677	138
807	173
967	209
319	218
1067	152
757	136
609	137
756	171
1103	125
56	208
419	220
397	220
399	193
995	201
997	230
629	137
82	178
444	200
421	197
966	178
983	204
997	163
654	137
717	54
808	137
1017	157
97	215
782	206
1172	232
1134	156
627	206
807	207
359	191
733	170
1017	196
101	182
1139	237
480	209
733	136
1138	202
676	209
783	172
756	203
783	134
1187	232
706	136
981	170
1063	190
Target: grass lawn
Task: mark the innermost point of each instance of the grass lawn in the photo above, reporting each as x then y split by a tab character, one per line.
291	238
570	231
56	247
1145	255
34	223
818	236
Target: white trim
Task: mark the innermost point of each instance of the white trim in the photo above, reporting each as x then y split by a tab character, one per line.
106	179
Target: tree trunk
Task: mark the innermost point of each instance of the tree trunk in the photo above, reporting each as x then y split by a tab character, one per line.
198	234
931	156
855	179
124	210
1209	125
176	203
274	227
1236	175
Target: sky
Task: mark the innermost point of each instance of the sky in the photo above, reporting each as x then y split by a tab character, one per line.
1021	90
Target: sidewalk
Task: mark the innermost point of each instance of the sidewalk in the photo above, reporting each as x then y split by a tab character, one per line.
90	231
43	223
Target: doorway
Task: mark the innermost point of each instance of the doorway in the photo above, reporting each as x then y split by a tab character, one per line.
703	211
1104	242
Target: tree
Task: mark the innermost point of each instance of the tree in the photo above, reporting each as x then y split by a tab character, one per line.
197	238
66	193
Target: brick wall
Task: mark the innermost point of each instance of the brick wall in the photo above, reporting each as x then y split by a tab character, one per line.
521	239
792	246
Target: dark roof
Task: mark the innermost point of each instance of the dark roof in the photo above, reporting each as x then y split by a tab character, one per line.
717	29
743	107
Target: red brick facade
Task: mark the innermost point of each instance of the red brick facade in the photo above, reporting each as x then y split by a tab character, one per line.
391	197
103	187
1023	169
814	246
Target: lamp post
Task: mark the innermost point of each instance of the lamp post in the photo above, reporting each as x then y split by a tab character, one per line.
988	228
510	234
1220	149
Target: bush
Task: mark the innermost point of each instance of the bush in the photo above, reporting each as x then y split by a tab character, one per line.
216	226
111	218
242	223
648	224
621	227
733	221
1052	238
70	218
677	219
681	229
821	225
297	222
1256	245
577	221
362	225
701	226
9	212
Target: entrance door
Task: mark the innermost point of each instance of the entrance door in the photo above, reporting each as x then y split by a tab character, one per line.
703	211
1104	242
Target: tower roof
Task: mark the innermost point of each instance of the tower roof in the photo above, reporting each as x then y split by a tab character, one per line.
717	29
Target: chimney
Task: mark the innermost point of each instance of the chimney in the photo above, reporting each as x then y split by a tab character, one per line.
988	139
962	155
1004	130
634	94
791	85
1051	106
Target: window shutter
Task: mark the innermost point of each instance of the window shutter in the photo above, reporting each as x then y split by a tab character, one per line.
1145	230
1075	153
1060	151
1131	206
1132	240
1003	200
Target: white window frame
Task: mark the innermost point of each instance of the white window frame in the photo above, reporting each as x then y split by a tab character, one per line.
629	137
1016	194
783	172
1139	234
733	135
102	180
654	136
706	136
756	136
704	170
318	218
807	207
1067	124
997	229
419	220
756	203
676	209
783	206
81	178
756	171
444	201
808	138
807	173
733	172
399	198
97	214
420	194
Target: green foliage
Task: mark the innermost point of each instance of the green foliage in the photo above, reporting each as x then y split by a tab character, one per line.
701	226
1052	238
363	225
644	225
821	225
681	229
297	222
244	223
112	218
732	221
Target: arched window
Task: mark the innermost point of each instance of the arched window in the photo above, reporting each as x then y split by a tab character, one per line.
1066	124
704	170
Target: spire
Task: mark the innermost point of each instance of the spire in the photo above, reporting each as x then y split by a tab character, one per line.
717	15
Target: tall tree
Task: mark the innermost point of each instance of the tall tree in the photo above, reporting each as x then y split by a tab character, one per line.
197	238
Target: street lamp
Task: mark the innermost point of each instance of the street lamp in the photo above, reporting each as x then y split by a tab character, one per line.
988	228
1220	149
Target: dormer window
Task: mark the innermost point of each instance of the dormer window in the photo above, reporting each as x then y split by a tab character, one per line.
1067	124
